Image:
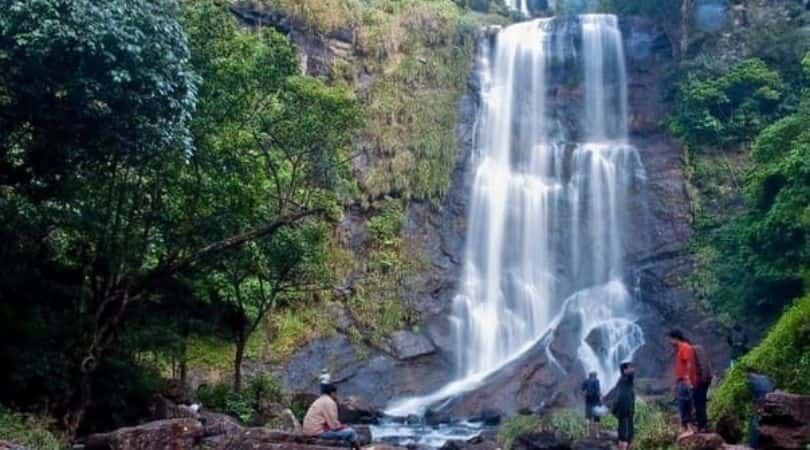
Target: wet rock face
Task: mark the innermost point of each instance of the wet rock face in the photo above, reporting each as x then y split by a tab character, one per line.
407	345
371	374
656	261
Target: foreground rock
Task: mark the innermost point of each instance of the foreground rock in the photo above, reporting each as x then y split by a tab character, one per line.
485	441
701	441
784	421
6	445
212	431
173	434
542	440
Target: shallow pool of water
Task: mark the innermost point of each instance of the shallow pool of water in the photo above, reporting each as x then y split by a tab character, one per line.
403	434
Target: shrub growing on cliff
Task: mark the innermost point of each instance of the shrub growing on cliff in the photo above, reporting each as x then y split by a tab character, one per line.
727	110
784	355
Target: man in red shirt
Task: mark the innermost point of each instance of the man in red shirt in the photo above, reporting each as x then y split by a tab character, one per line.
686	378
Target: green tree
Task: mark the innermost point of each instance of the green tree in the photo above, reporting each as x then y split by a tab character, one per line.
113	198
728	110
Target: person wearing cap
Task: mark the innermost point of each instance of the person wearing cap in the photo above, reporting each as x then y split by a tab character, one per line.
321	419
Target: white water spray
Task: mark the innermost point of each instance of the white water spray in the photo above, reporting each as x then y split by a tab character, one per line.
548	206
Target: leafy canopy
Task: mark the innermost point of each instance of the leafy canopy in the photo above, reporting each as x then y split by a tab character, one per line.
727	110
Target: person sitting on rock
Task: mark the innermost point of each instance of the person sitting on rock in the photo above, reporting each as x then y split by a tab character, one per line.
624	405
593	398
322	421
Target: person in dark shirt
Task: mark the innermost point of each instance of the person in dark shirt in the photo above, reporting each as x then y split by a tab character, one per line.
760	386
624	407
738	341
593	398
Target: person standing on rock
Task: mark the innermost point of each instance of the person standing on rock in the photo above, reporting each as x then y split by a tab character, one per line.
738	341
593	398
701	391
624	406
760	386
685	379
321	419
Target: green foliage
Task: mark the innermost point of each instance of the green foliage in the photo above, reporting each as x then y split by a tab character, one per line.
515	426
654	427
654	430
784	355
422	52
750	246
728	110
246	405
127	212
29	431
572	423
378	304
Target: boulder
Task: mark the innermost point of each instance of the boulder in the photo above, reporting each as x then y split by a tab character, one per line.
701	441
484	441
174	434
541	440
356	410
217	424
784	421
407	345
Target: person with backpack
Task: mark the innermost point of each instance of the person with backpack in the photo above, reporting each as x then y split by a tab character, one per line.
701	391
686	379
593	398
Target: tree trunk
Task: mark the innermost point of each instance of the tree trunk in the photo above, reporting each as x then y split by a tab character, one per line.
237	364
75	414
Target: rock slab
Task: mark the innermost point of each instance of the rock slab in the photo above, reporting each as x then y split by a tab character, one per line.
174	434
784	421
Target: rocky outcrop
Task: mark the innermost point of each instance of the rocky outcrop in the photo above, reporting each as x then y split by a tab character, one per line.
211	431
784	421
407	345
173	434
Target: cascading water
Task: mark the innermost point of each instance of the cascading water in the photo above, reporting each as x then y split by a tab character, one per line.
549	203
519	5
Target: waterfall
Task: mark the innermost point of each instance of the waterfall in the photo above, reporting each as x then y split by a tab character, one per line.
519	5
549	203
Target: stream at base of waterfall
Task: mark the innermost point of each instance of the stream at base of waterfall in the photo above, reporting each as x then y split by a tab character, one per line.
549	204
